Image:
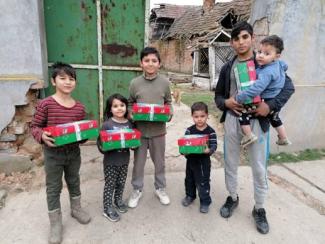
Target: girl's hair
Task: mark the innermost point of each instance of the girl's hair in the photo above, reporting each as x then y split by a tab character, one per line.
109	102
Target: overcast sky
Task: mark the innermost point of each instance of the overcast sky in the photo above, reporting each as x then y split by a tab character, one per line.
181	2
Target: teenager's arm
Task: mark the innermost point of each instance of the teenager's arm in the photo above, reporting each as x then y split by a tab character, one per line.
220	99
219	95
279	101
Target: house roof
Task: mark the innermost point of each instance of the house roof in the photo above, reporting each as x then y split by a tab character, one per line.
195	23
170	11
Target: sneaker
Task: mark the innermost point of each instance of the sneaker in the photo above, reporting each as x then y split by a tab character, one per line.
229	206
162	195
283	142
134	198
262	225
248	139
204	208
121	206
187	201
112	215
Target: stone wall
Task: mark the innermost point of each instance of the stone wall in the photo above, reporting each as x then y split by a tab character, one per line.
301	24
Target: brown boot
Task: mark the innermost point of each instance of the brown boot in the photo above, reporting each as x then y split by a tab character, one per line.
56	226
77	212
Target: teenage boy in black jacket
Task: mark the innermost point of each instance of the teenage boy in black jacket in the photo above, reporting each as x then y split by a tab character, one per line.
242	39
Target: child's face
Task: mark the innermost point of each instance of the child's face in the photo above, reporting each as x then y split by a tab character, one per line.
64	83
266	54
242	44
118	109
200	118
150	64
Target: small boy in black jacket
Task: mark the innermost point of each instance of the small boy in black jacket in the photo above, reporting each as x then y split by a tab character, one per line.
198	166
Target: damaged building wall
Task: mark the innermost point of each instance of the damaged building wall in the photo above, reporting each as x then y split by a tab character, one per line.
23	68
175	56
301	24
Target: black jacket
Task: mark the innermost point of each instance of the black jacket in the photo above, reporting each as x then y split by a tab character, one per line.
222	93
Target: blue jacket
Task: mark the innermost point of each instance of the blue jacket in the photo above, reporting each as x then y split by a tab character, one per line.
270	81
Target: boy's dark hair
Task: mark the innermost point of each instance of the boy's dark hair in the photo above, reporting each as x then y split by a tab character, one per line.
109	102
63	68
241	26
274	41
199	106
149	50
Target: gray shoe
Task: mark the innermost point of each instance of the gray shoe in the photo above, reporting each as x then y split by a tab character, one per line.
121	206
77	212
111	214
262	225
229	206
56	227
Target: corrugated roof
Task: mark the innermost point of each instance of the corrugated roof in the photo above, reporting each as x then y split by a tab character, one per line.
170	11
197	23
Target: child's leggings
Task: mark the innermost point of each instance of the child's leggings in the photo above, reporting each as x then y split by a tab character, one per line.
115	177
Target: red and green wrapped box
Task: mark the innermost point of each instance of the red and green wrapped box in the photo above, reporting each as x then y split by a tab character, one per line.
118	139
193	144
245	74
73	132
150	112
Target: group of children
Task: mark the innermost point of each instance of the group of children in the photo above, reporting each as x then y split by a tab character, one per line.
149	88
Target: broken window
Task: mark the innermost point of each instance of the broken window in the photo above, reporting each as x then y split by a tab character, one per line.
229	20
204	60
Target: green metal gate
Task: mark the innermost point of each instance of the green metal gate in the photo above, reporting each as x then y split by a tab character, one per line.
102	39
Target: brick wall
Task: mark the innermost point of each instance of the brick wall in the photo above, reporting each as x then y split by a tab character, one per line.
16	138
174	56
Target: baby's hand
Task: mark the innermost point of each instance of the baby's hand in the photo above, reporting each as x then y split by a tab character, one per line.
207	151
47	139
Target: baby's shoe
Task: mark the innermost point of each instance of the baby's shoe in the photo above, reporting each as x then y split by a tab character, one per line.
283	141
248	139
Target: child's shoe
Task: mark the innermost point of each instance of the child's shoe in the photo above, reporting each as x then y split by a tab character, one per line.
111	214
162	195
121	206
248	139
134	198
187	201
204	208
283	141
78	212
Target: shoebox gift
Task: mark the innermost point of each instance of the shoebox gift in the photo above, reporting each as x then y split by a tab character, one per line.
118	139
190	144
73	132
245	74
150	112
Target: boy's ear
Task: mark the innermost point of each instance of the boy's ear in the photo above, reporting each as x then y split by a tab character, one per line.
53	82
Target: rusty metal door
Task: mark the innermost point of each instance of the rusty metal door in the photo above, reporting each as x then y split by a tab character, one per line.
102	39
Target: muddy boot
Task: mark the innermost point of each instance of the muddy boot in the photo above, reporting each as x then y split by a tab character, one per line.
77	212
56	226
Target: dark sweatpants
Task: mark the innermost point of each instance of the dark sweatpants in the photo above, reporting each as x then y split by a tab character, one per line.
65	159
198	177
